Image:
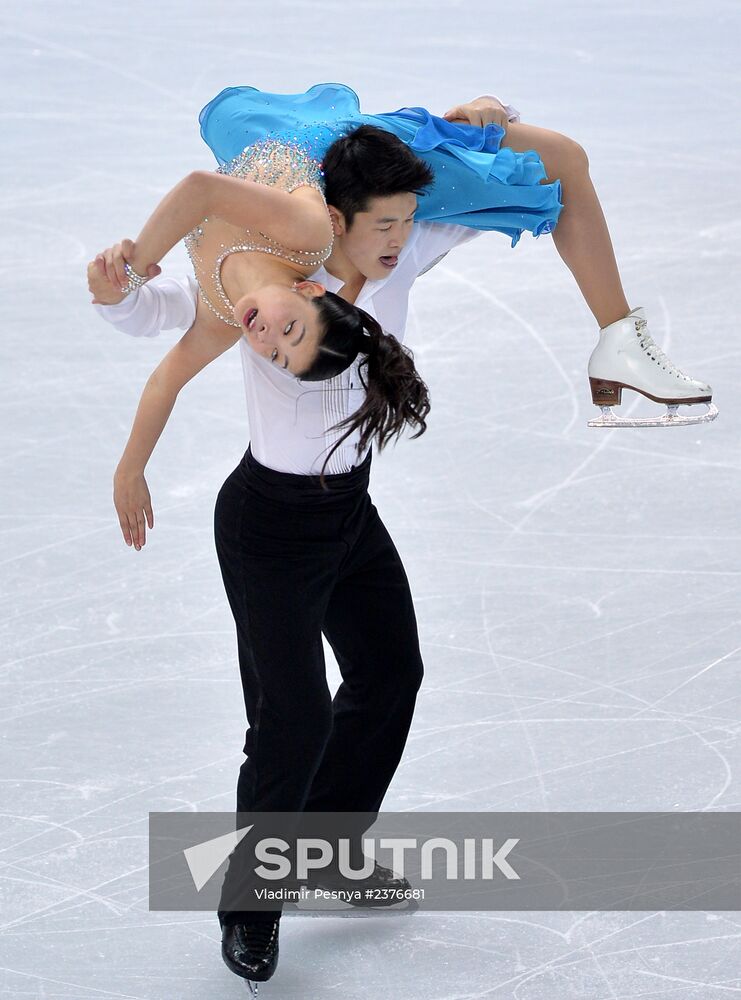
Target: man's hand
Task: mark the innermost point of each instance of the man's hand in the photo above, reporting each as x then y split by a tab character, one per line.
104	292
106	275
133	506
482	111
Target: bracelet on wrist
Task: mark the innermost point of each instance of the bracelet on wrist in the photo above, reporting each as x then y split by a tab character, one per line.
135	280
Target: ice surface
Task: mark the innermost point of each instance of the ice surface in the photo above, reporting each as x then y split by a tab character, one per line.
577	590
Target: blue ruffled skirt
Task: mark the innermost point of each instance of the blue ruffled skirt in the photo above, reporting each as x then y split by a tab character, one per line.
478	183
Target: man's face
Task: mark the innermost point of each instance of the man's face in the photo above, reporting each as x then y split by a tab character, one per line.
376	237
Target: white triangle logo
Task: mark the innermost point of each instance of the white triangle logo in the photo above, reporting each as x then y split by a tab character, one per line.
204	859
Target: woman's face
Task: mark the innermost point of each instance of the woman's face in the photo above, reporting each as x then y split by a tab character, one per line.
282	324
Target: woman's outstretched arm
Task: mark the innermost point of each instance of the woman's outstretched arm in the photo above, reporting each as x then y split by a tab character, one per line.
298	220
204	342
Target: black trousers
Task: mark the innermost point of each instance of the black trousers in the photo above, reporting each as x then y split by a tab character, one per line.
298	560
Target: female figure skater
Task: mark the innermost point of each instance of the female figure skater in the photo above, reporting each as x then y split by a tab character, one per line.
625	356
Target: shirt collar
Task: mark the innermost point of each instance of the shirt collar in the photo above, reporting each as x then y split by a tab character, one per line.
371	286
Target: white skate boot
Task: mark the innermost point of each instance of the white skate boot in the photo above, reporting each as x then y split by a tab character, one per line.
626	357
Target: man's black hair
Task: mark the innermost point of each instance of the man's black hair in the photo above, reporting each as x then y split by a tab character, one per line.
370	163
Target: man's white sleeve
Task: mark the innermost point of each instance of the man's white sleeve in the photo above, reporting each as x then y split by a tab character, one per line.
161	304
513	115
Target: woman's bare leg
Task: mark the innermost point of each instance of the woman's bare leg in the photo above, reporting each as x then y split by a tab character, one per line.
581	234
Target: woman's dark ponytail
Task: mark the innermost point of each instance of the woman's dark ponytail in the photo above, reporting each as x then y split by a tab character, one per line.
395	394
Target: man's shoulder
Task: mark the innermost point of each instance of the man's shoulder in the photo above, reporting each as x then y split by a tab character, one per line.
432	240
445	231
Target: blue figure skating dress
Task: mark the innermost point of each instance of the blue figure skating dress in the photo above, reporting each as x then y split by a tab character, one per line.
478	183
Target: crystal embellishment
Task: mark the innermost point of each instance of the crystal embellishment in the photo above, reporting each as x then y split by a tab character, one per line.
276	163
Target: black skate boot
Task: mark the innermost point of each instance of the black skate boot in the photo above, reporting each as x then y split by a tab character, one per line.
380	879
250	950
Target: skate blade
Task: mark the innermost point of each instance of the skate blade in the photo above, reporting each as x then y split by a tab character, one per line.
669	419
252	987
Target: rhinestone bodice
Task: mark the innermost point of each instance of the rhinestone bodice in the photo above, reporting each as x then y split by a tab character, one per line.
274	162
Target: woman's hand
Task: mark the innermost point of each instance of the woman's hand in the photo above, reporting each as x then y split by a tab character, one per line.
483	111
106	275
133	506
